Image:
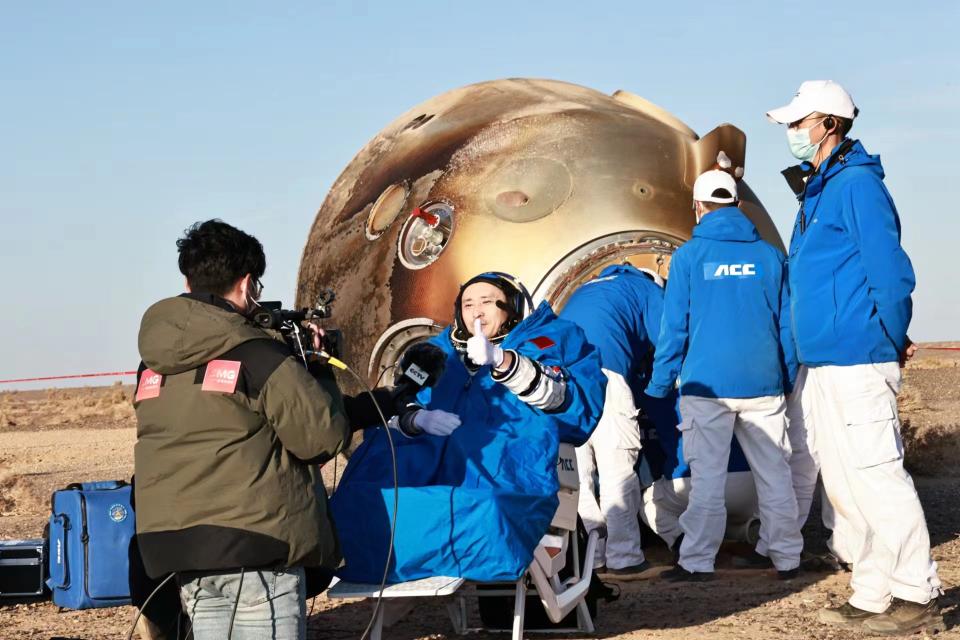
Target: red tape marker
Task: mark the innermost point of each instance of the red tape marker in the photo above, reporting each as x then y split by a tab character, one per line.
79	375
133	373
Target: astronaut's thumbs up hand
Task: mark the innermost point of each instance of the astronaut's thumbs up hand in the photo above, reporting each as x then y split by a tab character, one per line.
480	350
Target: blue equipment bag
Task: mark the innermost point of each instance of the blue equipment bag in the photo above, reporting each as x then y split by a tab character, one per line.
90	529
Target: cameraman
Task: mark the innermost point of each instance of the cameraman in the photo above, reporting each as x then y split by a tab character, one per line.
230	428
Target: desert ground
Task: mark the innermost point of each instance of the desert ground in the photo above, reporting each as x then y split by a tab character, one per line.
51	438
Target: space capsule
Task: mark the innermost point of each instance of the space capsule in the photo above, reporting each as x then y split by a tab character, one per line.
546	180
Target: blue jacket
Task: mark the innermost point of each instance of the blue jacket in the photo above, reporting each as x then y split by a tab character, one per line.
476	503
619	311
726	328
850	280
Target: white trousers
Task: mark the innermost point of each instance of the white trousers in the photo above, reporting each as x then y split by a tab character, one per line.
708	426
805	469
854	433
666	500
611	457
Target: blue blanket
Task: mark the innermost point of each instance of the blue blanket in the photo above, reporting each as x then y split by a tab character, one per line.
474	504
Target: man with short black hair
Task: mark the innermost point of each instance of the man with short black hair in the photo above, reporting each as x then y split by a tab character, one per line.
230	430
725	336
850	286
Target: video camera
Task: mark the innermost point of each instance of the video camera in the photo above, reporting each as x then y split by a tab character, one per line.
290	324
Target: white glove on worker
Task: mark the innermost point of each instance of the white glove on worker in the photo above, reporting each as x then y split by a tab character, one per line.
436	422
480	350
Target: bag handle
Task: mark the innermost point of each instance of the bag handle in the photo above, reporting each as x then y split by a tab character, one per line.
62	537
101	485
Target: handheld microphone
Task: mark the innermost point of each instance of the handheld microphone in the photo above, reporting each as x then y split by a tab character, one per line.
420	366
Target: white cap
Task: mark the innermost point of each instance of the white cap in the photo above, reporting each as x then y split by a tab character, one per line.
657	278
823	96
704	189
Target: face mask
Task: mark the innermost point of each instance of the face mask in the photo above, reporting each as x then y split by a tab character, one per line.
800	145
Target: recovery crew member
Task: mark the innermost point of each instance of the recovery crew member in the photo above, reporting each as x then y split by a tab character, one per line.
850	286
726	301
619	311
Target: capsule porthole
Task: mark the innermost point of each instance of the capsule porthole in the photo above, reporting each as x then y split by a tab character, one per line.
425	235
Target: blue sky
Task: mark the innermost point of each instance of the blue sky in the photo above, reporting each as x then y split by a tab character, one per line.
122	124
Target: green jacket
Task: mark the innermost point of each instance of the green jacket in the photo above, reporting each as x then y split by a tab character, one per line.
230	428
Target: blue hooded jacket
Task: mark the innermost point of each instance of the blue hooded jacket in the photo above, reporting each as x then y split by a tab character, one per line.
726	327
850	280
619	311
476	503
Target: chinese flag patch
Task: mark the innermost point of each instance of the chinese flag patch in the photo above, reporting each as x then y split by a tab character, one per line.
221	376
543	342
149	387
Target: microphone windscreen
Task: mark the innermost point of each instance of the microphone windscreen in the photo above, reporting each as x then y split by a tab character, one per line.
430	359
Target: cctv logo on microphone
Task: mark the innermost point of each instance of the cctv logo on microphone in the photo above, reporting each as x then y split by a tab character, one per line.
720	270
416	374
221	376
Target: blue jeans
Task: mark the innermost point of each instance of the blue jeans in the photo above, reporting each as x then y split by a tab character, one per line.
271	605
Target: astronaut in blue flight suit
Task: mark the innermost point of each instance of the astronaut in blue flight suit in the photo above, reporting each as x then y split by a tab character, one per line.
521	382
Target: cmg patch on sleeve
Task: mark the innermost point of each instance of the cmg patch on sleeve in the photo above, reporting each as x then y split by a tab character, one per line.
149	387
542	342
221	376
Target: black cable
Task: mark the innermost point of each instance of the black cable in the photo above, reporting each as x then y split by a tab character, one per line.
133	627
313	602
336	458
396	503
236	603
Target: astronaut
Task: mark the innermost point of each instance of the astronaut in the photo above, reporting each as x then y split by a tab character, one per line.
476	503
619	311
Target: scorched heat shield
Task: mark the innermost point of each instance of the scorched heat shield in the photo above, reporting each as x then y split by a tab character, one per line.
545	180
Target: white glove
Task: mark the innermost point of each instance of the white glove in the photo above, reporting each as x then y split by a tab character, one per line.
436	422
480	350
